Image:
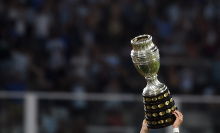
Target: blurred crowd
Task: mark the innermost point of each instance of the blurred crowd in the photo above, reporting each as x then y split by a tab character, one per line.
83	46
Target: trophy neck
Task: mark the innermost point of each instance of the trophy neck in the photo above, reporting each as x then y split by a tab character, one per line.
152	81
154	87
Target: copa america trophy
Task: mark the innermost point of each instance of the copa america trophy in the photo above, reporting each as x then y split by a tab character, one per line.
158	103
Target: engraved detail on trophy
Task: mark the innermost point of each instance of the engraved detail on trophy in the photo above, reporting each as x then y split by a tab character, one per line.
167	103
160	122
160	97
162	113
158	103
154	123
171	99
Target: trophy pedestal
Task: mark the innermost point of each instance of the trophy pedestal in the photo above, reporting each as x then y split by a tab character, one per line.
158	110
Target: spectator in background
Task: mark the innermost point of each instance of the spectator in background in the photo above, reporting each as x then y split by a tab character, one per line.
42	23
49	123
216	70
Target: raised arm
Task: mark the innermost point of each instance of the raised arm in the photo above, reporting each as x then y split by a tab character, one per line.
178	121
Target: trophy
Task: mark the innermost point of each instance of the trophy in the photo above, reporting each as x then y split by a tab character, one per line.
158	103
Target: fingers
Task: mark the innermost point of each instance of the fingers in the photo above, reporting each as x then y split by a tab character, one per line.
178	114
144	128
181	115
144	122
179	118
175	114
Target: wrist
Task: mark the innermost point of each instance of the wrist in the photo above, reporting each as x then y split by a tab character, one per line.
175	126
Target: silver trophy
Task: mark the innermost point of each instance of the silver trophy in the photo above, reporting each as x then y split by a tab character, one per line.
158	103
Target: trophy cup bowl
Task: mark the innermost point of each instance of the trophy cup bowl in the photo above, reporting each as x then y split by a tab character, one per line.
158	102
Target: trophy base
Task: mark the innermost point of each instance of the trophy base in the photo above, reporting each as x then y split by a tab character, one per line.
158	110
163	125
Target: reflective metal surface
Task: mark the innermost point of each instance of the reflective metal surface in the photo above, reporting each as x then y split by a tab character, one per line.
156	96
145	56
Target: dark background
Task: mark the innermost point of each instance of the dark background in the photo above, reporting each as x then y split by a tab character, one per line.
83	46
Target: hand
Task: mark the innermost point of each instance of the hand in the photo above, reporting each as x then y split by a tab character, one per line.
179	119
144	128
